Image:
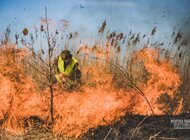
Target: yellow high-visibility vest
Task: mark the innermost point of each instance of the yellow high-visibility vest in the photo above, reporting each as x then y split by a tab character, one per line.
66	71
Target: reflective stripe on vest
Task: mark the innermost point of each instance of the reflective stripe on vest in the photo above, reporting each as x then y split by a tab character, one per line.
69	67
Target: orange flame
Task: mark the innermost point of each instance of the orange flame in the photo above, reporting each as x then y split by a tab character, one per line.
97	103
164	79
19	98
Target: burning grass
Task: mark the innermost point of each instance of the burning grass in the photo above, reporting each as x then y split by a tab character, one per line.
163	79
20	98
116	80
98	102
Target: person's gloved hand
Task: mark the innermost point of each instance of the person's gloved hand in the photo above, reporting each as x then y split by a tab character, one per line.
62	77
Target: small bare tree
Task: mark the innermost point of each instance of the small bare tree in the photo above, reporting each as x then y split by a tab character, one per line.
50	65
43	60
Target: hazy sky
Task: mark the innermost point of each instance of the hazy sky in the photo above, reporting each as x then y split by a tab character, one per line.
87	15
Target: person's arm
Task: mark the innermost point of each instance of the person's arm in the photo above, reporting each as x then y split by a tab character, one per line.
76	66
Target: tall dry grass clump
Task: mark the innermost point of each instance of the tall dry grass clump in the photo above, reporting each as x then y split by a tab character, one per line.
19	98
120	74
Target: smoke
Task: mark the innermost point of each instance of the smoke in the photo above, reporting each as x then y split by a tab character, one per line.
97	103
102	104
20	98
185	29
